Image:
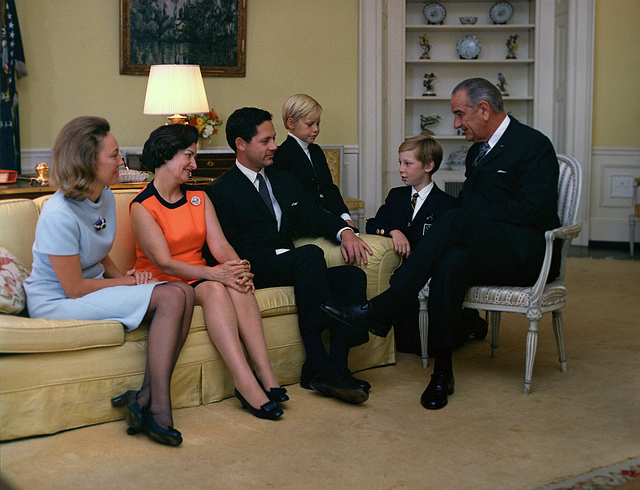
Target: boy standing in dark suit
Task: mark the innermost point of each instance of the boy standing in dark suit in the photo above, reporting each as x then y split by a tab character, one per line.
305	159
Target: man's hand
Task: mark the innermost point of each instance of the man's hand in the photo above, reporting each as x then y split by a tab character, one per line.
400	243
354	249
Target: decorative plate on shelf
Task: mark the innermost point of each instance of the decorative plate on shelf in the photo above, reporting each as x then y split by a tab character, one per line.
501	12
435	13
468	47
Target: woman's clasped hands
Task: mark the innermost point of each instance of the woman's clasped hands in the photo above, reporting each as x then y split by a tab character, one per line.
235	273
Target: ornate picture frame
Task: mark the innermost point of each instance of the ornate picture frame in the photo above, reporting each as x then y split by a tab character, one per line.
209	33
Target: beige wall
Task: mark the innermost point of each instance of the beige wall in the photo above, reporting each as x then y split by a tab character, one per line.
72	52
616	84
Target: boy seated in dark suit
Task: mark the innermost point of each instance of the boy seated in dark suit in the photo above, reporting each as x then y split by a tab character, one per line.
306	160
406	216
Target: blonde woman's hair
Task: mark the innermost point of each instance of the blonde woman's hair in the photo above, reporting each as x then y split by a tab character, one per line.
75	153
298	106
425	149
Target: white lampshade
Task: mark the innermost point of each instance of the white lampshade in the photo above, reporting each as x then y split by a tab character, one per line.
175	89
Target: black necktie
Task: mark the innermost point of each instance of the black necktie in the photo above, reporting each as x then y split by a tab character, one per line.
484	149
264	194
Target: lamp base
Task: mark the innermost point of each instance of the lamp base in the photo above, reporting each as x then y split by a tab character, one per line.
177	119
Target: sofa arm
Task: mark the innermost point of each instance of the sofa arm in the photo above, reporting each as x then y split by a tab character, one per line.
380	265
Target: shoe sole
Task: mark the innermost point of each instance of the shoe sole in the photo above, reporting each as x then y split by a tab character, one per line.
355	397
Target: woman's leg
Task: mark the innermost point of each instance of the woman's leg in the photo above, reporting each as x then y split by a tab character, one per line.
166	336
252	334
222	324
143	396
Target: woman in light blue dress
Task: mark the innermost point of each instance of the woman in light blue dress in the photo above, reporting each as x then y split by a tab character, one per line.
73	276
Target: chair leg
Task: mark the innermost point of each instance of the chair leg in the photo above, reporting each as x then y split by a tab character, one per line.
532	345
423	324
495	330
558	330
632	234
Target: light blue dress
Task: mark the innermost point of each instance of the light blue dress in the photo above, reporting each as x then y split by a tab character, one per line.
70	227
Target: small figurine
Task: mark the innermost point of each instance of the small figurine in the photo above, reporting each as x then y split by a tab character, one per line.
41	179
502	84
426	47
428	84
512	46
428	121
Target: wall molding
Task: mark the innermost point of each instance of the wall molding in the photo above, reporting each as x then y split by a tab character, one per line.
609	215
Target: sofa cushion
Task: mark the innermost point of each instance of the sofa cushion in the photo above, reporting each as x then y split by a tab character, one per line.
29	335
18	218
12	274
276	301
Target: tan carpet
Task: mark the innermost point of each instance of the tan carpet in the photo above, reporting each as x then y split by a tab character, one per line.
490	435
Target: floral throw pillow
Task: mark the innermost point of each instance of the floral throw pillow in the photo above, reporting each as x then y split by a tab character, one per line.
12	274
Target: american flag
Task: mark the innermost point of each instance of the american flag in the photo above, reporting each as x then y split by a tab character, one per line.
13	64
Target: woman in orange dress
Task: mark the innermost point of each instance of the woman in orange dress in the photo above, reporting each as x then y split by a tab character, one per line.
171	222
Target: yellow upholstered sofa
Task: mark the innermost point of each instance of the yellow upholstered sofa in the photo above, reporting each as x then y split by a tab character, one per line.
61	374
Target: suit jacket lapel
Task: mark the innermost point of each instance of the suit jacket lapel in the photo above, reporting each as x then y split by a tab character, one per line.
429	205
502	143
247	187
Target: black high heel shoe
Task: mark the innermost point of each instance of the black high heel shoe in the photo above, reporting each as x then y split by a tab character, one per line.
168	436
278	395
132	412
269	410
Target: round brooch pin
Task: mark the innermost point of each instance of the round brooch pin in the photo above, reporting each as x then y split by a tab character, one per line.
101	224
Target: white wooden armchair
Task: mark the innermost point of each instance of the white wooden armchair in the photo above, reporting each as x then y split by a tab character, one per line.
538	299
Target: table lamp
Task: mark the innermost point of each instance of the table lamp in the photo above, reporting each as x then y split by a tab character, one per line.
175	90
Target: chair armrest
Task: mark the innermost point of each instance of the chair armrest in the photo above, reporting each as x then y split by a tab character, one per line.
563	233
379	267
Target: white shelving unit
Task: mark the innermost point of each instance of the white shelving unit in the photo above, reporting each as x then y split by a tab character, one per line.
449	69
525	75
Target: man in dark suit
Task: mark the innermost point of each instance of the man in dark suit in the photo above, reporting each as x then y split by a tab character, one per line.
508	200
260	210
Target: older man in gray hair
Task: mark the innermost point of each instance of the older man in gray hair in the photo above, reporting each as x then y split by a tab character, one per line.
496	235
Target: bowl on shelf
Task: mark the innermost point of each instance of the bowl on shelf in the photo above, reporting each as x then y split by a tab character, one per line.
130	176
8	176
468	20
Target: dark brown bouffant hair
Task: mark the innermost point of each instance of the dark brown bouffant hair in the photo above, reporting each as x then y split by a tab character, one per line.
165	142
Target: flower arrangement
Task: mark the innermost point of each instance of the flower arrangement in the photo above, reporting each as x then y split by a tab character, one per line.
206	124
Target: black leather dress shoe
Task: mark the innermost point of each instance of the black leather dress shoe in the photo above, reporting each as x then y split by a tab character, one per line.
269	410
132	412
358	382
435	396
360	315
333	384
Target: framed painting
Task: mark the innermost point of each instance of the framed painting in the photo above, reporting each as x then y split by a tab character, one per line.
209	33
